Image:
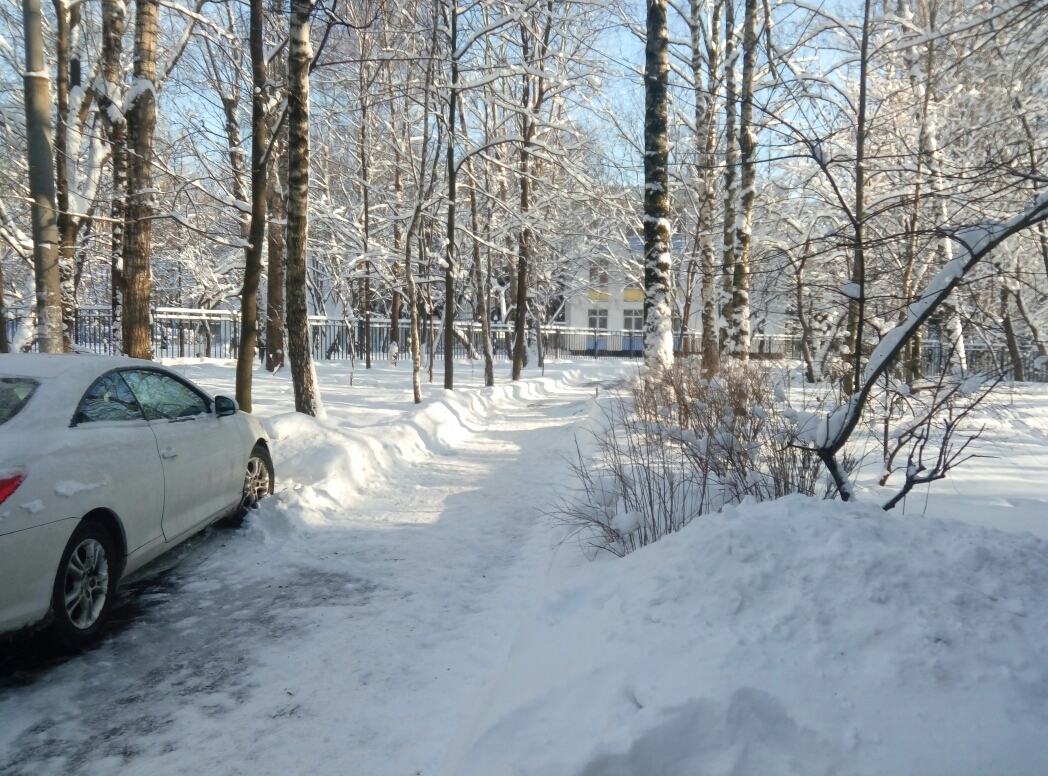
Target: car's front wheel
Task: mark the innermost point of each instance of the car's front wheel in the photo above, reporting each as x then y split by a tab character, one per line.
85	585
258	480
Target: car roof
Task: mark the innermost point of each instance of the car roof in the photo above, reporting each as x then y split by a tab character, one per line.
45	366
63	379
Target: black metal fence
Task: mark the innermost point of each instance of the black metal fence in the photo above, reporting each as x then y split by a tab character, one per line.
181	333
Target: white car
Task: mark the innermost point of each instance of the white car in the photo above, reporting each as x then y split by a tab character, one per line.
105	463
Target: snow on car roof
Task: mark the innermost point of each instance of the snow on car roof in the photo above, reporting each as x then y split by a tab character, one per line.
46	366
63	379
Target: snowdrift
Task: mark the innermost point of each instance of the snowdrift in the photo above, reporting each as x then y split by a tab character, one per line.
324	464
790	637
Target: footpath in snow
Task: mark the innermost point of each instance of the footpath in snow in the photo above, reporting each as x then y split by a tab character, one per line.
346	626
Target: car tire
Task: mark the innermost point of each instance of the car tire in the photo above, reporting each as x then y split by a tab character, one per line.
258	483
85	586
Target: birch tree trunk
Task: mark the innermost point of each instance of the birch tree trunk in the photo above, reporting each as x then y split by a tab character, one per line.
658	321
706	137
257	228
740	302
731	192
41	183
300	53
141	121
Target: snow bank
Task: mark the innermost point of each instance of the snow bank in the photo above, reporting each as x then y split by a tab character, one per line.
323	464
787	637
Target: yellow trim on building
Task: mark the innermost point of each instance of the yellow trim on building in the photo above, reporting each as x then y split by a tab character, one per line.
633	295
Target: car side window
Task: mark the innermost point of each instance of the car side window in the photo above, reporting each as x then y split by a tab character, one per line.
164	397
108	399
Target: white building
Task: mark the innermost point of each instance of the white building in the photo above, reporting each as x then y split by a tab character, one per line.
614	300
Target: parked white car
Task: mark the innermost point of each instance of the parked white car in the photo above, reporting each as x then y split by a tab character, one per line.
105	463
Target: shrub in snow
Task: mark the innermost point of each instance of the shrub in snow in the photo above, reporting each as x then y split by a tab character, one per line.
681	446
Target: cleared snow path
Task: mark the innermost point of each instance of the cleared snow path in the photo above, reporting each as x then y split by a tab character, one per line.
323	637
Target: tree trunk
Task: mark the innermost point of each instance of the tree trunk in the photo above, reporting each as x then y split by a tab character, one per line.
108	96
658	319
706	140
451	256
4	344
857	306
398	192
41	183
413	332
257	228
1035	330
524	239
300	53
483	309
365	191
1018	374
68	74
740	302
730	185
523	256
276	205
141	121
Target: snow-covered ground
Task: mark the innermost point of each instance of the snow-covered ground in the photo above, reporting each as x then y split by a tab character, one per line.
402	606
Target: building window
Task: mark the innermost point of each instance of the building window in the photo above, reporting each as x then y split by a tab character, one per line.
598	271
633	319
598	319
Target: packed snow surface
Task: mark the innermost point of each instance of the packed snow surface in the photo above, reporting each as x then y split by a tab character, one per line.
403	606
790	637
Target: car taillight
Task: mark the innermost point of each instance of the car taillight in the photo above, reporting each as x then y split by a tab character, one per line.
9	482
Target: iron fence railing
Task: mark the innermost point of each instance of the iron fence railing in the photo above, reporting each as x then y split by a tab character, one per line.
182	333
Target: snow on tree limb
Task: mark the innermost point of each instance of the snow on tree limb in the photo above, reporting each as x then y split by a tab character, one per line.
977	242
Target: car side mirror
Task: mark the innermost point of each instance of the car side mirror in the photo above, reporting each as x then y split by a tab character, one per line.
225	406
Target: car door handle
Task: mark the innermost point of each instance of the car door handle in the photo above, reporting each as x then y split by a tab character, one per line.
169	452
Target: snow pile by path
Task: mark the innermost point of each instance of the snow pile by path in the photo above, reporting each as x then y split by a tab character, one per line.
324	464
790	637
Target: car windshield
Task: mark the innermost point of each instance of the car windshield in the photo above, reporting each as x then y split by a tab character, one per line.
15	392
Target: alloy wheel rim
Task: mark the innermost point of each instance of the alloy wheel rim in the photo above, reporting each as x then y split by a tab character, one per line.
256	482
86	583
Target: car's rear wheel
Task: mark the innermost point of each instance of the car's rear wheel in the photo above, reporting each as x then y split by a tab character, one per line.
85	586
